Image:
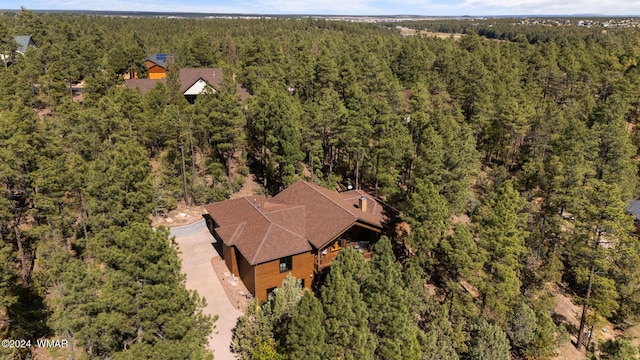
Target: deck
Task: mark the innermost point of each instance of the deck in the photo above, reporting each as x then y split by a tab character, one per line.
324	258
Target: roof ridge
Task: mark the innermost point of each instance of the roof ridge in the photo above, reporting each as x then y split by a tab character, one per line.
257	209
330	199
255	256
287	230
239	227
289	207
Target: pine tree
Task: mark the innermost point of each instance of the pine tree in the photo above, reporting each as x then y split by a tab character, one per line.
393	324
601	223
273	125
306	338
521	326
219	122
458	253
438	342
346	325
144	306
119	187
262	332
501	225
428	214
488	342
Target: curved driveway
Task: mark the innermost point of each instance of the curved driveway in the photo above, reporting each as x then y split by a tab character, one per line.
196	252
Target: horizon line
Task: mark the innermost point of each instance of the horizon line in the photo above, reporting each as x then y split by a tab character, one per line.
319	15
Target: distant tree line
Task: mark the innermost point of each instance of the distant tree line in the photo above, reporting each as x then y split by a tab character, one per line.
511	161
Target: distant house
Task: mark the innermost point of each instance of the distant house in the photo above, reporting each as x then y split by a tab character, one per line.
193	81
143	85
157	65
23	43
299	231
634	209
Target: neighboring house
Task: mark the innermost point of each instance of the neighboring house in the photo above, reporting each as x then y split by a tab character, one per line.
143	85
299	231
157	65
193	81
23	43
634	209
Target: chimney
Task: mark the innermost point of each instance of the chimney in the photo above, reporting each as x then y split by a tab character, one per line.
362	202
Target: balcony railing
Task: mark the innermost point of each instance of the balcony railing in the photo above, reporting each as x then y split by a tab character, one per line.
324	258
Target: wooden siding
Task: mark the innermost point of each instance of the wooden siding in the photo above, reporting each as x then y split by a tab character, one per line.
268	275
247	273
157	72
229	255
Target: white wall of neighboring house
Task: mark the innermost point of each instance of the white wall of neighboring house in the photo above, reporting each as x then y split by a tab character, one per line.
197	88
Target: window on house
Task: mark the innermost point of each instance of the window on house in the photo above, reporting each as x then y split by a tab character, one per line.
285	264
271	291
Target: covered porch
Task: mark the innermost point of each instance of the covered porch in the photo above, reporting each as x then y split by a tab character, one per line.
359	236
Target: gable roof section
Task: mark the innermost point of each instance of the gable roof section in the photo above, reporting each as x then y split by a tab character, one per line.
291	217
243	224
160	59
23	43
189	76
634	209
302	215
329	219
332	212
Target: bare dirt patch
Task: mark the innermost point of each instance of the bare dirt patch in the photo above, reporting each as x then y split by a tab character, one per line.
42	113
405	31
568	314
181	215
234	287
460	219
568	352
249	188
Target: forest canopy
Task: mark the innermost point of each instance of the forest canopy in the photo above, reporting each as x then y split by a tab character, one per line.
510	153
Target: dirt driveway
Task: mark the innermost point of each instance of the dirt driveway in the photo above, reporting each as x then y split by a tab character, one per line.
196	252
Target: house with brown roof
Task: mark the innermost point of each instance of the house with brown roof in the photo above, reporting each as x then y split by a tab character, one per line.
193	81
299	231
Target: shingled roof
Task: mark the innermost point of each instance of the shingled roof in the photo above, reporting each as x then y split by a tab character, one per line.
302	215
332	212
24	41
256	228
143	85
187	76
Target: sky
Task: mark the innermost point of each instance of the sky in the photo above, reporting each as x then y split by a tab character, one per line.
346	7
